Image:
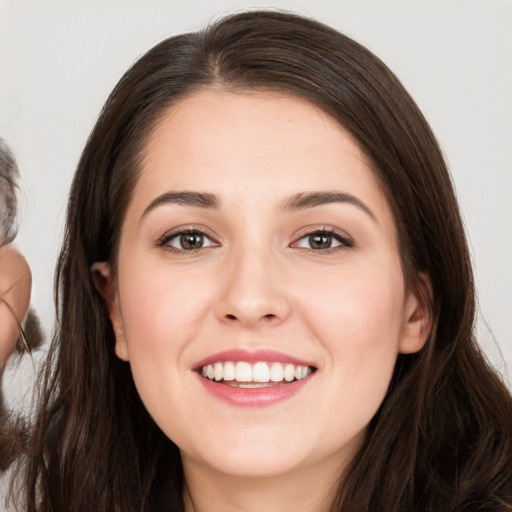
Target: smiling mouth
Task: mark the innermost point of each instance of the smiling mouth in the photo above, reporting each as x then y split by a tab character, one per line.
257	375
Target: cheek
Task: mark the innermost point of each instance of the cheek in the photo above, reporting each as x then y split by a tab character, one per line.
161	310
359	324
358	300
161	313
358	317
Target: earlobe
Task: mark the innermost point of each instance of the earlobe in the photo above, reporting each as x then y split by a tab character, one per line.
105	285
418	316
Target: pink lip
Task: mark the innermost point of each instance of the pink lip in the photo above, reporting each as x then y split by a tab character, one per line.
269	356
252	397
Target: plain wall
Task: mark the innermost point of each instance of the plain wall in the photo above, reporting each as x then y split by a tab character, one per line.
60	59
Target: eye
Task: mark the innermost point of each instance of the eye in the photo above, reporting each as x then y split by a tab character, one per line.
190	240
323	240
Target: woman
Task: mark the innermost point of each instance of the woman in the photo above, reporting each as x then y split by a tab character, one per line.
266	299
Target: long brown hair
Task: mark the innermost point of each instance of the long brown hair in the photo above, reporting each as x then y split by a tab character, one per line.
442	439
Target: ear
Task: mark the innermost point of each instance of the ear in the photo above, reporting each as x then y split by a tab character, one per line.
107	288
418	316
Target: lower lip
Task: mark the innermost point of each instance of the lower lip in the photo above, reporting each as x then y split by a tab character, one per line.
254	397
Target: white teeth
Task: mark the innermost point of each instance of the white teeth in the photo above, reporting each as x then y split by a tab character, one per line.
260	372
243	372
289	372
229	371
276	372
218	371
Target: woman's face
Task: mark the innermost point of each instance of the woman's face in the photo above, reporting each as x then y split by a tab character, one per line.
259	298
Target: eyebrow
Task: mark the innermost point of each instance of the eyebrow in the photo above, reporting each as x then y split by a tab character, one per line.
196	199
306	200
300	201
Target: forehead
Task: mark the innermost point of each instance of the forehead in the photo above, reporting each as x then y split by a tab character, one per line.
253	144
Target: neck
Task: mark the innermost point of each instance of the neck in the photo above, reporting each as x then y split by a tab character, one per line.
301	491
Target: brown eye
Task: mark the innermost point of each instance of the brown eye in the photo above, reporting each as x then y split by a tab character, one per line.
320	241
190	241
323	240
186	241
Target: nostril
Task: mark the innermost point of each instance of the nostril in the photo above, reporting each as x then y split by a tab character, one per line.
268	317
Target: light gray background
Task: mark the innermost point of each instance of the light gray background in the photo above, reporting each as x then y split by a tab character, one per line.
60	59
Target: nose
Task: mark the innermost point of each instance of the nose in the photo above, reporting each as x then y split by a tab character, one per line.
252	292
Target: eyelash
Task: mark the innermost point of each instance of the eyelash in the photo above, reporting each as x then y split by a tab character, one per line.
164	241
345	242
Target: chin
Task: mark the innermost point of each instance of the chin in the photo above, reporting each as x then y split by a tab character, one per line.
255	454
254	466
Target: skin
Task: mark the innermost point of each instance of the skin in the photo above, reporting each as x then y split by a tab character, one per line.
15	286
258	284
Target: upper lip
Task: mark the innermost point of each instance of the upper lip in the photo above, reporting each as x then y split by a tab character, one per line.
268	356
